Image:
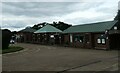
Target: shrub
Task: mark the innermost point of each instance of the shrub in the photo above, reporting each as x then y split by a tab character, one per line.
6	36
12	49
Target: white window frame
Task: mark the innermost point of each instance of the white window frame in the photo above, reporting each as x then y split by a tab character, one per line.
99	41
103	41
71	38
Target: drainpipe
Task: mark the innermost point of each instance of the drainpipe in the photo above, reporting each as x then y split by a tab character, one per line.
107	40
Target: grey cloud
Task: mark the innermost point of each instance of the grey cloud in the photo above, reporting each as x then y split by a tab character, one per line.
79	21
50	11
13	24
43	9
107	7
119	5
86	5
37	9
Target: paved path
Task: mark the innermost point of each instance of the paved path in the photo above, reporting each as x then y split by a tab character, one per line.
52	58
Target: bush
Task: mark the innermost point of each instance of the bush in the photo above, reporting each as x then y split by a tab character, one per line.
6	37
12	49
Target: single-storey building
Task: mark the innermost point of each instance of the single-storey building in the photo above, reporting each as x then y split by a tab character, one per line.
47	35
101	35
25	35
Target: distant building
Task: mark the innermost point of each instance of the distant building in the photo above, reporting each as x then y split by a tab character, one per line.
47	35
25	35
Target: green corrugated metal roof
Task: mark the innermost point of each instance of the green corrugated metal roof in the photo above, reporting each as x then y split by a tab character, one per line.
28	30
47	28
92	27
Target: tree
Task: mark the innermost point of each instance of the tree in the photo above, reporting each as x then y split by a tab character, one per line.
6	36
40	25
60	25
117	16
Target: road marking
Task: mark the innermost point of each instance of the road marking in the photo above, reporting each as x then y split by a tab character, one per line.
79	66
90	64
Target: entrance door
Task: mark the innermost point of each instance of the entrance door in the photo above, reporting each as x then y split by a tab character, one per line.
57	39
115	41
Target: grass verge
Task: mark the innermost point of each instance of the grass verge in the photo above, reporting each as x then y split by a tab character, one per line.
11	49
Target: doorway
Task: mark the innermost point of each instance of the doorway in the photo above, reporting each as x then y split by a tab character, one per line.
115	41
57	39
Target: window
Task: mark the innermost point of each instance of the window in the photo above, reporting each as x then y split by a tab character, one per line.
78	38
52	36
81	39
87	39
98	41
101	39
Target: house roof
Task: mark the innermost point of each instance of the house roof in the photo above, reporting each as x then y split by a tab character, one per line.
47	28
92	27
28	29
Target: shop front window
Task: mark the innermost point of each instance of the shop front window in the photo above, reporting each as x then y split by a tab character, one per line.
79	38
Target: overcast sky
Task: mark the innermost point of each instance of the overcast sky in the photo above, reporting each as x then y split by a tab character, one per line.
18	15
